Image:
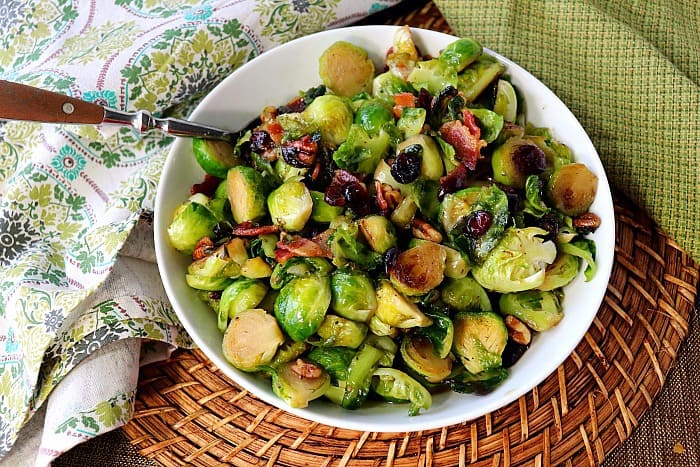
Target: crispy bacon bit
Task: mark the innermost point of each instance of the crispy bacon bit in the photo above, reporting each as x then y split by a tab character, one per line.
470	122
453	181
466	143
304	369
424	231
251	229
300	153
203	248
296	245
207	187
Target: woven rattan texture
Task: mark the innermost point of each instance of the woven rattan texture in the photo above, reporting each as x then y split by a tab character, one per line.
189	413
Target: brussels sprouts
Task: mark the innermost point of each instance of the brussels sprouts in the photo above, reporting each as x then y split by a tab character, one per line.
247	192
572	188
506	104
216	264
403	54
352	295
251	340
540	310
372	115
465	294
382	173
214	157
475	78
515	160
360	371
490	123
433	75
456	266
518	262
256	268
479	340
461	53
411	121
431	163
361	152
207	283
379	233
404	213
464	382
284	171
321	211
242	294
294	126
299	382
346	69
289	351
191	221
346	247
440	333
386	344
334	360
387	84
418	270
396	386
333	117
420	356
236	250
298	266
533	198
425	192
302	304
379	328
290	205
474	219
336	331
397	311
584	249
562	271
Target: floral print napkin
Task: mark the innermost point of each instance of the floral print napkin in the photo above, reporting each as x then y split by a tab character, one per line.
70	195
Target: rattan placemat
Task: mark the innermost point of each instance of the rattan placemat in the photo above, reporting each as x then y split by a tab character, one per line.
189	413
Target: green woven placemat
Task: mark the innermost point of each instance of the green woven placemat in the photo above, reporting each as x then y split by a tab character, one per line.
629	71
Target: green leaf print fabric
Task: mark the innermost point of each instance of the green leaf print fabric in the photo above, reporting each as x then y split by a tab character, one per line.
71	195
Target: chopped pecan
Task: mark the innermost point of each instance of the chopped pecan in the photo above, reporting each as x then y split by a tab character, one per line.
424	231
586	221
305	369
203	248
517	330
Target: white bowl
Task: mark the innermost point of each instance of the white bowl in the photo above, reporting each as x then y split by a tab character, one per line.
275	77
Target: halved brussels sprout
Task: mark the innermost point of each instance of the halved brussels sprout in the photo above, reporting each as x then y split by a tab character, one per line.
298	266
191	221
251	340
540	310
490	123
420	356
396	310
518	262
386	344
418	270
290	205
346	247
346	69
333	117
207	283
289	351
301	306
242	294
431	163
404	213
433	75
336	331
475	78
294	126
373	115
461	53
360	152
572	188
464	382
299	382
382	173
465	294
360	371
256	268
335	360
285	171
214	157
378	231
584	249
216	264
562	271
440	333
411	121
247	193
479	340
396	386
506	103
456	266
353	295
515	160
321	211
386	84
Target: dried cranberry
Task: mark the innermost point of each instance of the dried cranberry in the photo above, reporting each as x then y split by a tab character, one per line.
549	223
453	181
207	187
389	259
300	153
529	159
260	141
357	198
406	167
222	230
321	174
512	353
478	223
425	99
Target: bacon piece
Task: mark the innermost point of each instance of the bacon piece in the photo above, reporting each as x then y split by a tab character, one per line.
251	229
464	139
296	245
453	181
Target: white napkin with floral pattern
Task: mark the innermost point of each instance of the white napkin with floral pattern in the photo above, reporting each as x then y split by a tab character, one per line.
70	195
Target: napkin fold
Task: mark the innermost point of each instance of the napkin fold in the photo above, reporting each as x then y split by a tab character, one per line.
70	196
630	72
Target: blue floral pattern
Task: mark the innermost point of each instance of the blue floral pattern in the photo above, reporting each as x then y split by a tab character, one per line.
68	162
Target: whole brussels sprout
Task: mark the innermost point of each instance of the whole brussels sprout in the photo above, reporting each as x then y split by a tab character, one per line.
242	294
518	262
420	356
460	53
433	75
301	306
465	294
290	205
191	221
353	295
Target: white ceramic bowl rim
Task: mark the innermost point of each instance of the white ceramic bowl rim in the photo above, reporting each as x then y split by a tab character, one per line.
275	77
